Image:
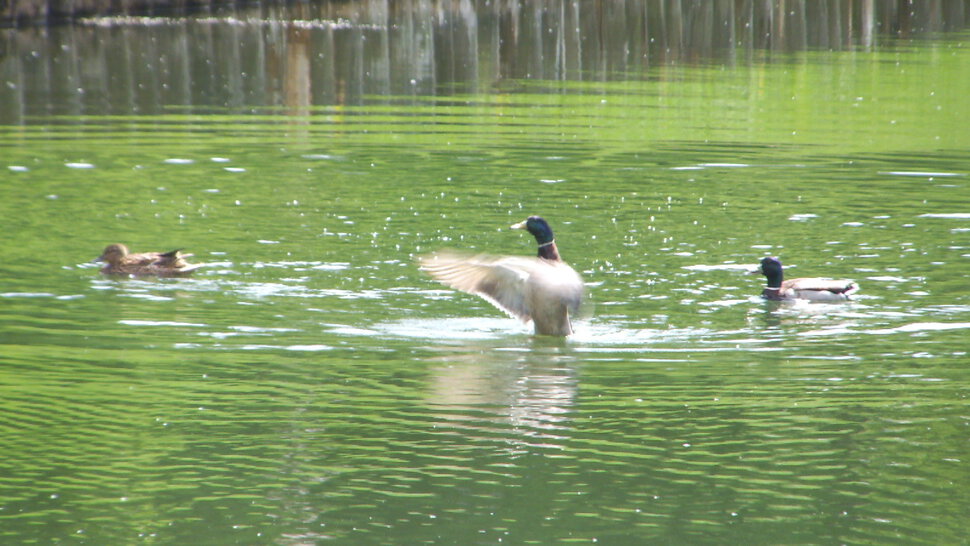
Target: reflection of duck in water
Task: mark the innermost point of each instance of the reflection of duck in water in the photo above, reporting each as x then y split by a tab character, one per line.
544	289
118	261
806	288
523	401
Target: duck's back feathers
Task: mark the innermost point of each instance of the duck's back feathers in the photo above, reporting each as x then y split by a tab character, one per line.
137	259
174	259
816	289
544	291
836	286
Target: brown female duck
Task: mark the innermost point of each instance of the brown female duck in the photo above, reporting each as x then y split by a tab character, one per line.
543	289
118	261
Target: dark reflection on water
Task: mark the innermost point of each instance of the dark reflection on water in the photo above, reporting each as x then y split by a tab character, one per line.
332	53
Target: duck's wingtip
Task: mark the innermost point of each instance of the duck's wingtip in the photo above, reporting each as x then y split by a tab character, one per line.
427	261
426	257
439	258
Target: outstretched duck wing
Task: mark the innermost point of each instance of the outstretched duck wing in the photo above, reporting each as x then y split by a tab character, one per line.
500	280
520	286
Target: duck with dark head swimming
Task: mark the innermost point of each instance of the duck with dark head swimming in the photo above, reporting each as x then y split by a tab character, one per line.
544	289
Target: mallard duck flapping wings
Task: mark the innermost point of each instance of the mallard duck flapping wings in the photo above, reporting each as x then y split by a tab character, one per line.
118	261
544	289
806	288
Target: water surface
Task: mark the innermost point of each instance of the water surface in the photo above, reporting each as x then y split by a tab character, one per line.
310	384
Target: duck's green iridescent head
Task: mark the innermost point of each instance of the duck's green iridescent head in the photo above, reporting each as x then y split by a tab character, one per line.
538	227
771	268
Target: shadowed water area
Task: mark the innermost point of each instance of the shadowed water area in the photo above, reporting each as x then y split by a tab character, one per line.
311	385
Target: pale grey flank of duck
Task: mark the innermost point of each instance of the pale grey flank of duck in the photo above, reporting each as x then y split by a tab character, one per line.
544	289
806	288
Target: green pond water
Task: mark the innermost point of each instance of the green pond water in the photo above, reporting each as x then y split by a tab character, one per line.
311	385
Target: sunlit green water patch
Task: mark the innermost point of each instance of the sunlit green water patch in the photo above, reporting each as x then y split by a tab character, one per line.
309	383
